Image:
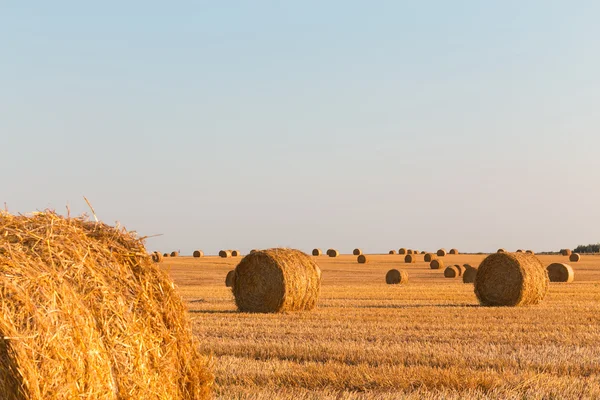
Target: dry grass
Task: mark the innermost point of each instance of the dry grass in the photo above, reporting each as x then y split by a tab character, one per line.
371	341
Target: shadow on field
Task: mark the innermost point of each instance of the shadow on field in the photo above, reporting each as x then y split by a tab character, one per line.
406	306
213	312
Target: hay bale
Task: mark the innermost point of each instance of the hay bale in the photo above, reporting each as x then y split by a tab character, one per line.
117	327
357	252
566	252
519	251
469	275
157	257
461	269
436	264
441	253
333	253
402	251
395	277
174	254
230	278
558	272
198	253
505	279
409	251
423	252
574	257
410	259
362	259
451	272
317	252
276	280
453	251
429	257
392	252
529	252
235	253
501	250
166	255
225	253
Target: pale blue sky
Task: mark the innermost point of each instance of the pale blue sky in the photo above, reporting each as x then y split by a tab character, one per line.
380	124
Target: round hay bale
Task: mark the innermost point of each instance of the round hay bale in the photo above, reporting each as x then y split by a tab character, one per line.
423	252
511	279
276	280
566	252
395	277
409	251
558	272
224	253
88	315
230	278
519	251
317	252
410	259
415	252
157	257
469	275
436	264
357	252
574	257
402	251
529	252
451	272
392	252
362	259
333	253
461	269
235	253
174	254
429	257
441	253
453	251
198	253
166	255
501	251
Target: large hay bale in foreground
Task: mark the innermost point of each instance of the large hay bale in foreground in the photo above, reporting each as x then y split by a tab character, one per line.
453	251
436	264
84	313
357	252
441	253
395	277
511	279
174	254
574	257
451	271
198	253
410	259
277	280
157	257
362	259
225	253
469	275
429	257
402	251
317	252
558	272
333	253
230	278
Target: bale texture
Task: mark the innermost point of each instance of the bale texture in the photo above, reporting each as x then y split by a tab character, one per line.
511	279
333	253
558	272
395	277
235	253
469	275
157	257
230	278
317	252
402	251
429	257
436	264
574	257
410	259
392	252
276	280
198	253
224	253
362	259
84	313
357	252
441	253
174	254
453	251
451	272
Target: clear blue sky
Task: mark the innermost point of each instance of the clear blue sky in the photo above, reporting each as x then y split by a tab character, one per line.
381	124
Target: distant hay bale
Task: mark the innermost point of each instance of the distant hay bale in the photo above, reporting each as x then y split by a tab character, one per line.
410	259
519	251
441	253
225	253
392	252
453	251
501	251
409	251
415	251
329	251
402	251
198	253
166	255
461	269
362	259
276	280
558	272
469	275
157	257
566	252
574	257
174	254
423	252
529	252
88	315
429	257
317	252
436	264
395	277
230	277
451	272
357	252
235	253
511	279
333	253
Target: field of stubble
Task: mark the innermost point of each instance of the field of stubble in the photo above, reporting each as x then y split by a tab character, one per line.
368	340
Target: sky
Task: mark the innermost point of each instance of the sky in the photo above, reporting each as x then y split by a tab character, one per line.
256	124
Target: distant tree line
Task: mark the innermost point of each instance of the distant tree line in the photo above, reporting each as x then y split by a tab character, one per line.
590	248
